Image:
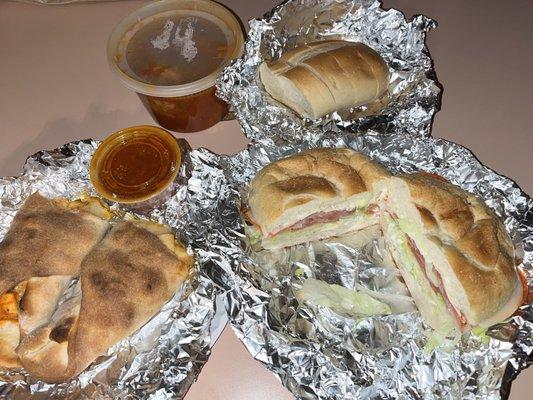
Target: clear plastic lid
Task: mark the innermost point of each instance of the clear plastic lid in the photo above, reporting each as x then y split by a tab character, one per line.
174	47
135	164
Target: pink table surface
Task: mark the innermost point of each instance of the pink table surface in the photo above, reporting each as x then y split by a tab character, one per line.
55	87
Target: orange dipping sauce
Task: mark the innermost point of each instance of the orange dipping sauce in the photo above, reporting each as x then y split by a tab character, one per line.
136	165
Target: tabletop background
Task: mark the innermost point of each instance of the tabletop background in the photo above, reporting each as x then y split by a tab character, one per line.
55	87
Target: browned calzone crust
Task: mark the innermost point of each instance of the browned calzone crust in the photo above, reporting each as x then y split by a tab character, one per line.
41	252
39	301
26	307
125	281
46	238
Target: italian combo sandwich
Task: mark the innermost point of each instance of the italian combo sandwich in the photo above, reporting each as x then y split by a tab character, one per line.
453	252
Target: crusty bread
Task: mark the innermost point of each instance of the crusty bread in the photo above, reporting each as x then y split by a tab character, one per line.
319	180
321	77
125	280
468	246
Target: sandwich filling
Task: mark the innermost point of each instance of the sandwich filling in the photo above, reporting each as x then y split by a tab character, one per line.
458	316
320	225
416	278
409	259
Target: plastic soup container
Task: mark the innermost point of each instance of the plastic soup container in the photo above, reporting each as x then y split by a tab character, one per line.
170	52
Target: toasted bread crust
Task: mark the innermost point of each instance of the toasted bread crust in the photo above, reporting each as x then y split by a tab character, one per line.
476	244
311	176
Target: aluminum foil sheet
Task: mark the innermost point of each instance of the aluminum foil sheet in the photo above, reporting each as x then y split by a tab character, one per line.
163	358
320	354
414	93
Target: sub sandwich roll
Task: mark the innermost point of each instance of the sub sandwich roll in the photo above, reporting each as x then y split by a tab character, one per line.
321	77
313	195
454	253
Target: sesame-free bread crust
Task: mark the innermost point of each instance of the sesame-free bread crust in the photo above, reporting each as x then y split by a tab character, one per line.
292	188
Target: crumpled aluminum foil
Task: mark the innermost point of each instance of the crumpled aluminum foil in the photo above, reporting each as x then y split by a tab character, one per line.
320	354
163	358
414	91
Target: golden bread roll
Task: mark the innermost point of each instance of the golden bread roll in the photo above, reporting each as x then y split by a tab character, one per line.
321	77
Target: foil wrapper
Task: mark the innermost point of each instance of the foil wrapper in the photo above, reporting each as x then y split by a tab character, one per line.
164	357
320	354
414	93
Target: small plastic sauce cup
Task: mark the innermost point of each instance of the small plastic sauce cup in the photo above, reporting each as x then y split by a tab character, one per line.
170	52
137	166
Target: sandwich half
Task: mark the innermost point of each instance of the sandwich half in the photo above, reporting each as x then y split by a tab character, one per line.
313	195
453	252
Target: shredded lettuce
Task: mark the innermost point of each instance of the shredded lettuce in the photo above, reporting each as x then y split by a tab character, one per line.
252	233
398	303
299	272
481	334
446	336
340	299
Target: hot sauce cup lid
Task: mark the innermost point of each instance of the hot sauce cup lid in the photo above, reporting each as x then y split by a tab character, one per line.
135	164
174	48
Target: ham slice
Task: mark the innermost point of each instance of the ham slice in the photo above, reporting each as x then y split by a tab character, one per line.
320	218
458	316
328	216
313	219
